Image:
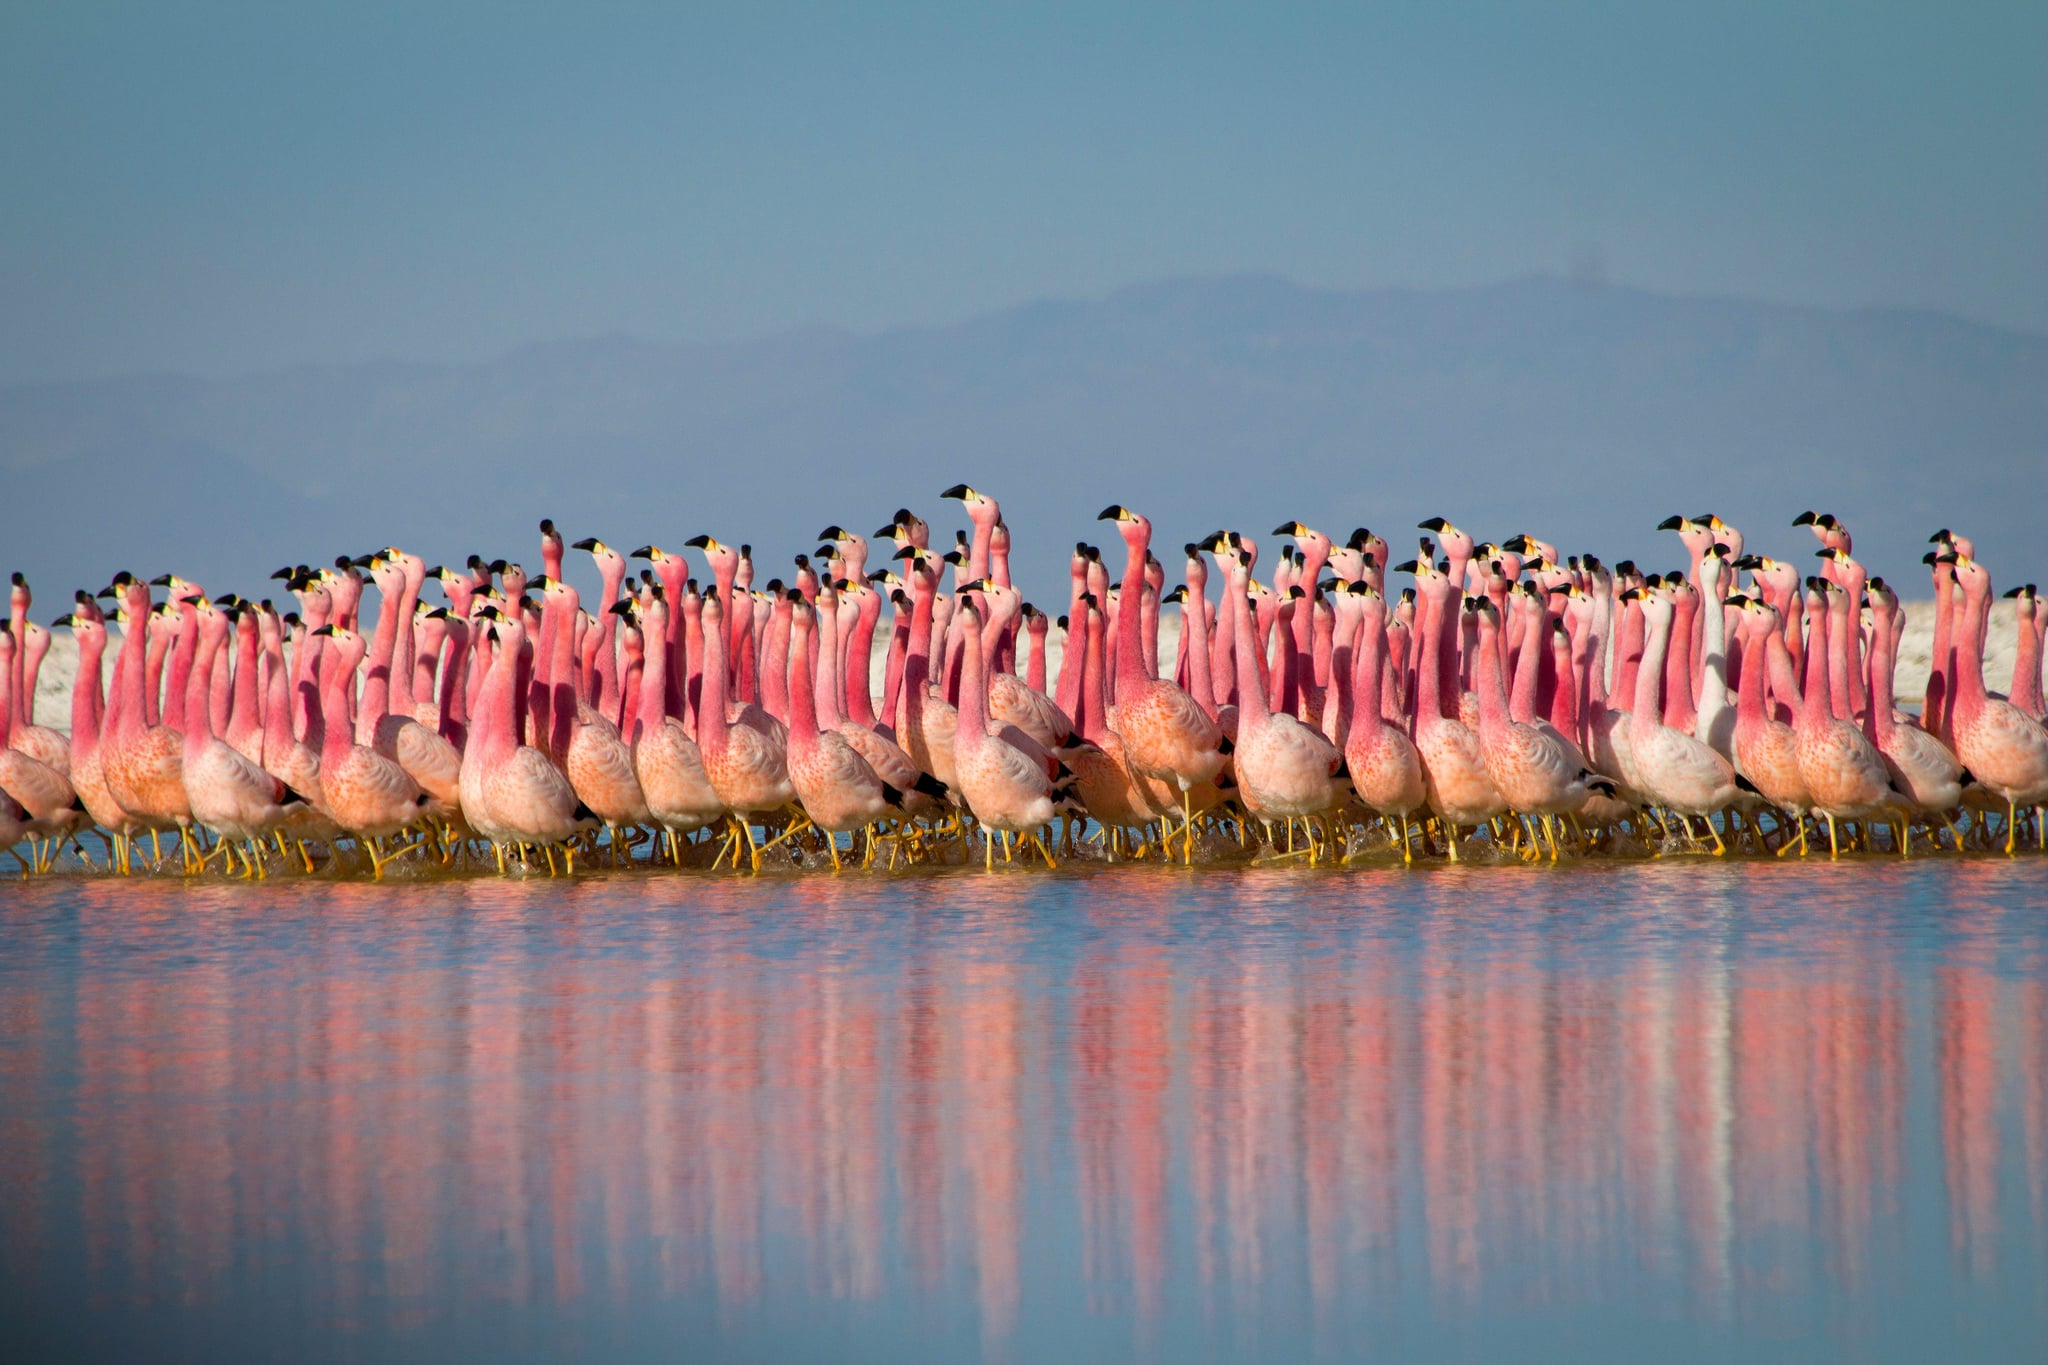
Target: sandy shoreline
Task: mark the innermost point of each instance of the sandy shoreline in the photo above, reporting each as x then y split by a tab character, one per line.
1916	651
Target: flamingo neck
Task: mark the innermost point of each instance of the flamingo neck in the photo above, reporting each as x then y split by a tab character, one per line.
1649	698
1251	696
1815	707
860	703
802	701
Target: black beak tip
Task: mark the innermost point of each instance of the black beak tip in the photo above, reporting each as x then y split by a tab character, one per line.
1804	519
587	543
1670	523
958	490
697	542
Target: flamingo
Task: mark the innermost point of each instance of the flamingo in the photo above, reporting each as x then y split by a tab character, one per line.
1529	765
1841	768
230	794
747	764
512	793
1920	765
2004	749
39	742
1766	750
1453	770
598	763
143	761
1677	771
1385	769
1005	788
680	798
87	716
1166	735
838	789
1286	770
367	794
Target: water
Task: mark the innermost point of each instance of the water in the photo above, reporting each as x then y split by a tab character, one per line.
1683	1109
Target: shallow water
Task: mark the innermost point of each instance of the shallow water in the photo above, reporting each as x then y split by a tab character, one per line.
1686	1108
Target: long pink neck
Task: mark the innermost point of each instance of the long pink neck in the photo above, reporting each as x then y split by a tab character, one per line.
246	717
1649	699
277	706
1629	652
1251	697
1564	699
775	663
1090	660
1969	694
184	651
971	728
1678	705
562	676
1749	694
2025	692
711	719
802	699
1814	705
1841	700
1194	629
1130	623
653	679
336	681
604	685
828	690
1934	709
375	700
198	690
454	691
1368	672
1529	663
1487	681
860	702
1877	721
85	693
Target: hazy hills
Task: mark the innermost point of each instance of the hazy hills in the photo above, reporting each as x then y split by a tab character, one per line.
1582	415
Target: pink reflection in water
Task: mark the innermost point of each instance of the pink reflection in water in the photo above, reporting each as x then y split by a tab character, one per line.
521	1097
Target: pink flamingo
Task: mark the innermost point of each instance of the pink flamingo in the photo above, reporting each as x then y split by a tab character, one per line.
1766	750
1166	735
512	793
838	789
144	762
1841	768
1680	773
1286	770
1919	764
39	742
1004	788
88	712
1453	770
680	798
1529	764
366	793
2003	748
230	795
1385	770
747	765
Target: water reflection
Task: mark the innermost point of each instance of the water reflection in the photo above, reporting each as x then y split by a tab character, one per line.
1123	1112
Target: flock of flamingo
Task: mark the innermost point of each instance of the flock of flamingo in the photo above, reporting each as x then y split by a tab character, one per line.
1507	702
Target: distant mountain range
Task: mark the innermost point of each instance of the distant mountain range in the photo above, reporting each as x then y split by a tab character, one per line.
1583	415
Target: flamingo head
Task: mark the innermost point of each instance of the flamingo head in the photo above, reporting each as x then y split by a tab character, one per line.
982	509
723	559
1457	544
1134	528
608	560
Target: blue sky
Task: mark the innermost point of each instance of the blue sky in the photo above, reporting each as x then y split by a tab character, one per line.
214	187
